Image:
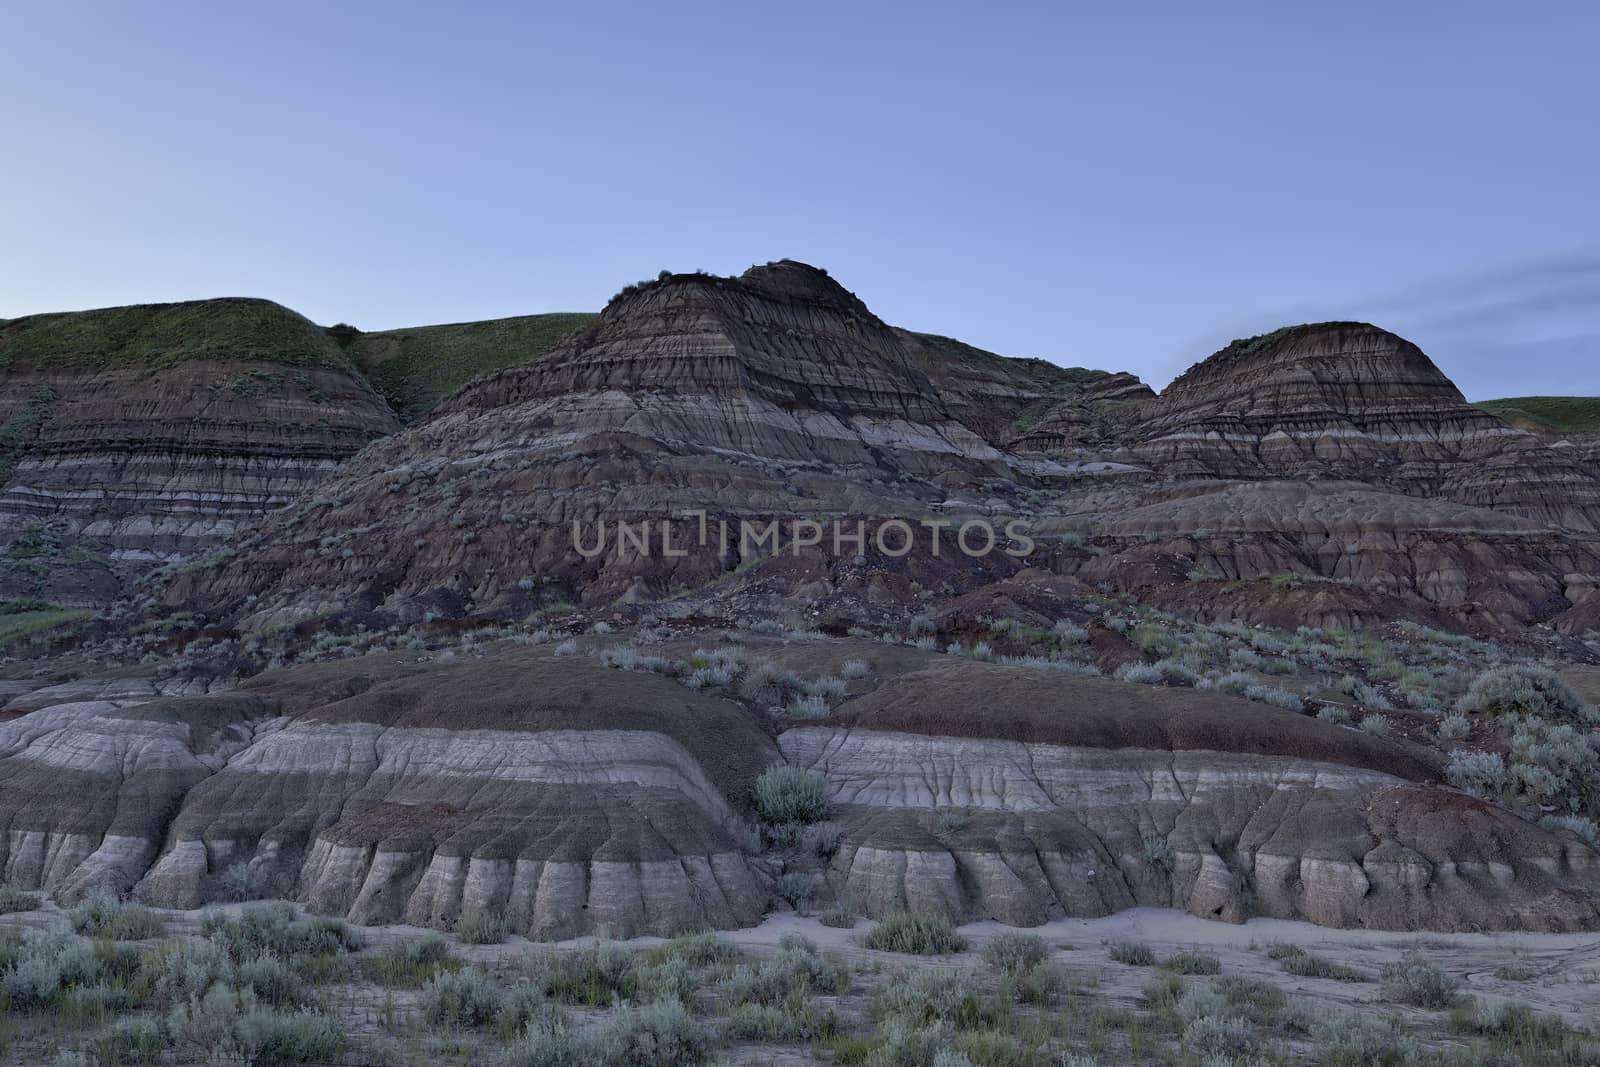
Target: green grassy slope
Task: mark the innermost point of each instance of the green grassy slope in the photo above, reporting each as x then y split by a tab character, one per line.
1552	414
416	368
1040	370
156	334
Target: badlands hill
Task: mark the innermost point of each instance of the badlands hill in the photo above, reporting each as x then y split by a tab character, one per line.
150	432
1278	643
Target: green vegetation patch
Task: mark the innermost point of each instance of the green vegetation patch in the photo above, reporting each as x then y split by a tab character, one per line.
1553	414
416	368
17	625
1046	372
235	328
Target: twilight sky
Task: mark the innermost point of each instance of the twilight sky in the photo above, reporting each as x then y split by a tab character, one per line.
1122	186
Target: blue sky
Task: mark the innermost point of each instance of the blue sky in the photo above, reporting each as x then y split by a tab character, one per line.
1122	186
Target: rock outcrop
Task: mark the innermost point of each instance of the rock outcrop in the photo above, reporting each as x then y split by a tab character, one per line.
1497	567
1347	400
566	795
155	431
986	792
774	395
553	791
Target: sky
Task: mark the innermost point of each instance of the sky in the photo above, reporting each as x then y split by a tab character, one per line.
1127	186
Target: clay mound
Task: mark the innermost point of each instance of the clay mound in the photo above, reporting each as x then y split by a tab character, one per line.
554	791
155	431
1350	400
994	792
955	697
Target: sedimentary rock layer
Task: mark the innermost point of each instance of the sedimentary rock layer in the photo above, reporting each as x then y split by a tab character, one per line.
1499	567
772	395
156	431
1050	831
1350	400
1080	796
557	793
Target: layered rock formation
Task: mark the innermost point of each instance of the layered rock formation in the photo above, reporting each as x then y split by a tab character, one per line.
156	430
564	795
1349	400
772	395
552	791
997	396
1081	797
1494	566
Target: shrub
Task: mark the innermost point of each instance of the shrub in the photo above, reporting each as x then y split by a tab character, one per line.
1419	984
710	677
1244	659
787	794
1278	698
228	1025
1544	1037
629	658
1013	953
1480	773
1139	674
662	1034
1156	852
1233	684
821	838
838	918
410	963
1132	953
272	928
1376	725
569	647
596	976
188	968
242	881
797	889
115	920
949	821
1069	633
1191	962
14	900
1213	1036
480	928
135	1042
808	707
796	1019
1363	694
1334	714
1454	727
1521	690
854	668
468	997
770	684
272	982
1369	1040
797	969
923	935
1302	964
946	997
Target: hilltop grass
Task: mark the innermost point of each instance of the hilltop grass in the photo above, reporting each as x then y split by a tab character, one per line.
1554	414
1046	372
416	368
233	328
